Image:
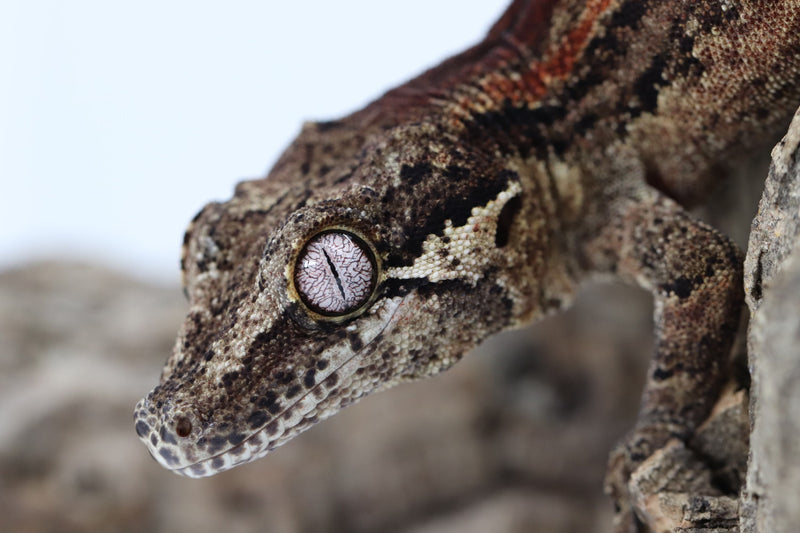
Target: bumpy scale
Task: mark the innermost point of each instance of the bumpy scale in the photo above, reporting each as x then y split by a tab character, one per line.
472	199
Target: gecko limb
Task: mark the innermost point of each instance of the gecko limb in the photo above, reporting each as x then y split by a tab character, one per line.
695	275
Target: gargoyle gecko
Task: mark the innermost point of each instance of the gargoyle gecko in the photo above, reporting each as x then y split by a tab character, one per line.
385	245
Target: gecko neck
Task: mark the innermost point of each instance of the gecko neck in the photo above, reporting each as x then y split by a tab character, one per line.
594	73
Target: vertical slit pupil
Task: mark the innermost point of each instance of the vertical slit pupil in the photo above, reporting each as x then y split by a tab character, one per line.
335	273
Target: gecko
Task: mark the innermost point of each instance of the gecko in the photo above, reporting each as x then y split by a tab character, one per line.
385	245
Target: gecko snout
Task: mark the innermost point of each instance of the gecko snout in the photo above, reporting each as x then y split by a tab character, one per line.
170	432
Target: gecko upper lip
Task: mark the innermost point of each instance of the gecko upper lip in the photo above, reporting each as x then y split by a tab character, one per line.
260	442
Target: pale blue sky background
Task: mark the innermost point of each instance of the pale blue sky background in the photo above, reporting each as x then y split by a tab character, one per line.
119	120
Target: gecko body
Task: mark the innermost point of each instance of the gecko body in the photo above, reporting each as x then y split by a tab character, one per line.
475	198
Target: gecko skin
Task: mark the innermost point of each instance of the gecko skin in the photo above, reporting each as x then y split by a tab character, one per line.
384	246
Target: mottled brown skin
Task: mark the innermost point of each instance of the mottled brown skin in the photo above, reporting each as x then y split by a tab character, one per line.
560	147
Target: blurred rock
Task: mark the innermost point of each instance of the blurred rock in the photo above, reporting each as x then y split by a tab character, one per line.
77	344
513	438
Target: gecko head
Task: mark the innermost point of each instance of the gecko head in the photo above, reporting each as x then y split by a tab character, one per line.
357	264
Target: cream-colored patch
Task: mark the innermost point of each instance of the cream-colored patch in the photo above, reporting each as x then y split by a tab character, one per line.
462	252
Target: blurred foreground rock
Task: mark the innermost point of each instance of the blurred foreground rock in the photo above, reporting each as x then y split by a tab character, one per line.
771	500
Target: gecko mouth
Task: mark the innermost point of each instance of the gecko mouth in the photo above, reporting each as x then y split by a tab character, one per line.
185	458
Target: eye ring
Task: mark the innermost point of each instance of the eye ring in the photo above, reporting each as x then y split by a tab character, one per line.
335	273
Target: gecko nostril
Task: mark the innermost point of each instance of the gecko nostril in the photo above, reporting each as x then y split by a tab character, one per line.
183	426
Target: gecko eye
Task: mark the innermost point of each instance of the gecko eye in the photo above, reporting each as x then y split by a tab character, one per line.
335	273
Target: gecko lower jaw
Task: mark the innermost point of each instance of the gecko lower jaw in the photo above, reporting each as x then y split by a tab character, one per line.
247	451
184	456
